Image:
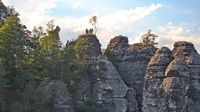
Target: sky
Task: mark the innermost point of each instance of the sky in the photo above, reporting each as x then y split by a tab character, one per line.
172	20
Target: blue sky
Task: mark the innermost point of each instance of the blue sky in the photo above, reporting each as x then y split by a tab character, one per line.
172	20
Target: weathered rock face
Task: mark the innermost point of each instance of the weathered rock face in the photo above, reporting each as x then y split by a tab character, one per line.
89	44
60	97
171	82
118	44
104	83
91	48
153	98
187	52
111	89
175	86
131	63
134	78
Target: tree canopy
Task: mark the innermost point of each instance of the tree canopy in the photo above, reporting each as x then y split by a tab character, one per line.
149	38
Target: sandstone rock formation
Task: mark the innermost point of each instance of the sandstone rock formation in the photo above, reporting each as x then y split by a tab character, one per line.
153	98
175	86
91	50
89	45
136	78
131	63
111	89
171	80
60	97
187	52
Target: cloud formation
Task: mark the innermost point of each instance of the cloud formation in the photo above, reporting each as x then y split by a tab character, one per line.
110	23
33	13
172	33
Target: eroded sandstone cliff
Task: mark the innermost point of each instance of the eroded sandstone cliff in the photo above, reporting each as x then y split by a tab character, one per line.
172	80
136	78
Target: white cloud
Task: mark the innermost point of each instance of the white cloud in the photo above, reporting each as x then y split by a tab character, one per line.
122	21
126	17
173	33
77	4
169	23
33	13
161	29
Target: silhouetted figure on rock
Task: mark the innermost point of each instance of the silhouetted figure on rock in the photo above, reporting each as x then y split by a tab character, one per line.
91	31
86	31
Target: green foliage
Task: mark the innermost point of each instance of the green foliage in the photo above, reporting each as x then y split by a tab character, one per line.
6	12
140	46
26	64
148	39
29	60
13	49
75	71
3	10
3	80
35	98
74	64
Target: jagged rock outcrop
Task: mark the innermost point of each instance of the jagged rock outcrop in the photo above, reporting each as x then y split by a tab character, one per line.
175	88
89	46
111	89
187	52
137	78
90	51
153	98
104	83
118	44
131	63
60	97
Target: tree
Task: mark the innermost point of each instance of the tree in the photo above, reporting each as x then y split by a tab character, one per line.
14	51
14	46
6	12
51	49
149	38
3	10
93	21
24	63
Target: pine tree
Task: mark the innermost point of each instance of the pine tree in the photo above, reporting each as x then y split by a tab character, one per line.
51	48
